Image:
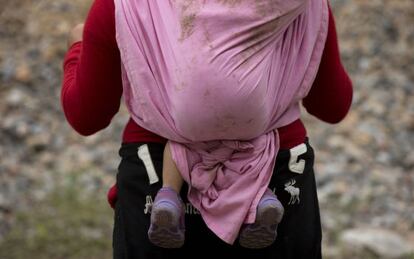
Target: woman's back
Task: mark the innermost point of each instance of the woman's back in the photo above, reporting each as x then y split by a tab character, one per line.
220	100
202	71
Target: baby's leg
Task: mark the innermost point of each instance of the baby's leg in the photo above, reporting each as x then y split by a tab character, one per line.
171	177
167	215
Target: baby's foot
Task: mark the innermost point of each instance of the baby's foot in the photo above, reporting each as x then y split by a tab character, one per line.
263	231
167	220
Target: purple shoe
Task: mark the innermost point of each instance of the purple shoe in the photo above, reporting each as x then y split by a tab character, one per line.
263	231
167	220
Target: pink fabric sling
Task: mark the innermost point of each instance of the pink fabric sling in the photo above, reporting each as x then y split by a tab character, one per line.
217	78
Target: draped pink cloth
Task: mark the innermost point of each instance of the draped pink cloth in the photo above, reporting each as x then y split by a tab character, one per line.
216	78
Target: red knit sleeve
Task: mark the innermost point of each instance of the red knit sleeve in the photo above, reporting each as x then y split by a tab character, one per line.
331	94
92	84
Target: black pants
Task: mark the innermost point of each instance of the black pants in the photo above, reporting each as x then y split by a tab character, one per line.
299	233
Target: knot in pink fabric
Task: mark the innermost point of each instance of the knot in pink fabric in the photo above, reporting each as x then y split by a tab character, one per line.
213	163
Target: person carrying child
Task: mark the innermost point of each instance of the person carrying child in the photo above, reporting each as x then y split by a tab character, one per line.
222	82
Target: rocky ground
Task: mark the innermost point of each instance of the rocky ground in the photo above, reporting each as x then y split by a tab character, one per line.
365	165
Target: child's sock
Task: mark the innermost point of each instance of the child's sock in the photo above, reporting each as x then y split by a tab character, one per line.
167	219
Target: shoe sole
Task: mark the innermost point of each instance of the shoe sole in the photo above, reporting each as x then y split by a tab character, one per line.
164	230
263	232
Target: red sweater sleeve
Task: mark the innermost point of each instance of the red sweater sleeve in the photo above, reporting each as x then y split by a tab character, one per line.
331	94
92	84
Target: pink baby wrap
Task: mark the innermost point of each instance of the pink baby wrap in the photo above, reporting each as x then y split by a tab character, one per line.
216	78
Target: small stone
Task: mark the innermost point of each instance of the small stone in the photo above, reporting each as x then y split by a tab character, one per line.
381	243
15	97
38	142
23	73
